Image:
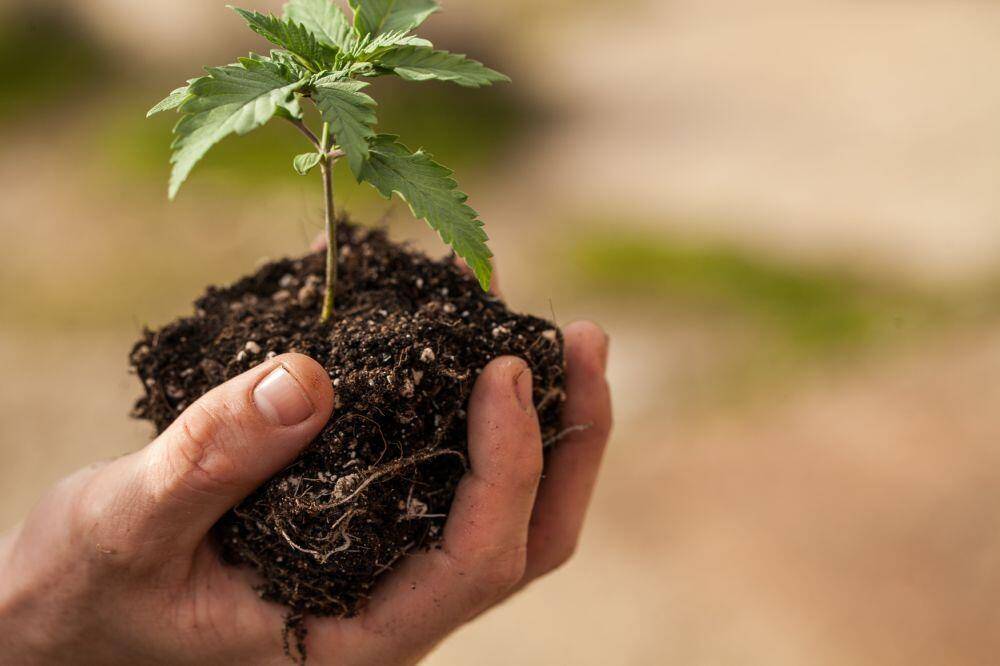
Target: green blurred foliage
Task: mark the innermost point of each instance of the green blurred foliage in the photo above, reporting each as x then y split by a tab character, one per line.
811	307
46	56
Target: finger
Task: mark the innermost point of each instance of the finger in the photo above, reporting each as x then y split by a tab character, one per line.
319	243
483	552
572	466
222	448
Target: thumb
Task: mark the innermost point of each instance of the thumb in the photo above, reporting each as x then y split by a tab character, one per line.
229	443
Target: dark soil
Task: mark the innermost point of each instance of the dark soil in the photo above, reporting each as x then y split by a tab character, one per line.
409	340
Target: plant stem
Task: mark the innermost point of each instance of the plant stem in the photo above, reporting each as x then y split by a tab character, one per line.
309	134
326	168
330	157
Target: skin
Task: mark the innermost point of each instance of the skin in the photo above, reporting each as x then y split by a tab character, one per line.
114	565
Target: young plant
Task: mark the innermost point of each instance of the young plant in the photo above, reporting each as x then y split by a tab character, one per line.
323	58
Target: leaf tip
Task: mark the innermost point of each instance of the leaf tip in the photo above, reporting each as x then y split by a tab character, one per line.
245	14
176	180
484	273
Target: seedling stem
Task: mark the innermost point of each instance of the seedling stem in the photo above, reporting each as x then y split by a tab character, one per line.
326	168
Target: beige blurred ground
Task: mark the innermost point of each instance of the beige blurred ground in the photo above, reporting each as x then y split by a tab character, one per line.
765	501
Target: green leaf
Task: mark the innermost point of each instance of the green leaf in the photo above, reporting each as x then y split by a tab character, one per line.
373	17
285	62
281	64
291	36
325	20
172	101
305	163
419	63
370	48
232	99
433	196
351	114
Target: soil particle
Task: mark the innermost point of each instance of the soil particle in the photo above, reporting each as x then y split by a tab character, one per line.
410	337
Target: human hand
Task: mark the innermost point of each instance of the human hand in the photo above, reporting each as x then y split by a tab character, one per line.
115	565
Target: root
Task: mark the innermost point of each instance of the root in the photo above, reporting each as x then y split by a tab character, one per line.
425	516
391	469
323	558
417	510
295	546
555	395
572	430
378	428
357	483
344	534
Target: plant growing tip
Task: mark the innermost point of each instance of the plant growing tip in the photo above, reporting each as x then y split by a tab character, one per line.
322	57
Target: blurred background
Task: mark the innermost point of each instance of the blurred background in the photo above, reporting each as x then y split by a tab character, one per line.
786	213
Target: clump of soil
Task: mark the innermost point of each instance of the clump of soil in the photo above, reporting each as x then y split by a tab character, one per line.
410	337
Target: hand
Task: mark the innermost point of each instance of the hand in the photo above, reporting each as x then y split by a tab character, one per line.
115	566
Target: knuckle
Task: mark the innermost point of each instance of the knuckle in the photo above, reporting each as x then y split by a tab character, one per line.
88	510
529	472
200	456
500	572
101	525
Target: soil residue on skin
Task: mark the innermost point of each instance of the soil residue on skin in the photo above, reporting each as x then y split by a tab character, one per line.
409	339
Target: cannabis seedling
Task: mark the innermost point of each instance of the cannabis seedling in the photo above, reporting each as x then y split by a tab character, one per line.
322	58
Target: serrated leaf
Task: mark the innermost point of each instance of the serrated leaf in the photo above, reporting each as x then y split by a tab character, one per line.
373	17
286	62
305	163
351	114
291	36
172	101
433	196
325	20
232	99
283	65
371	47
419	63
